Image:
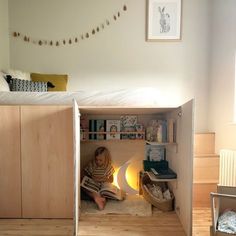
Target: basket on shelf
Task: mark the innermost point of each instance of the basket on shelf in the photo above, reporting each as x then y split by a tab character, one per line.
164	205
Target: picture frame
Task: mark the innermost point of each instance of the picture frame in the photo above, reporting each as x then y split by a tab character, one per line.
163	20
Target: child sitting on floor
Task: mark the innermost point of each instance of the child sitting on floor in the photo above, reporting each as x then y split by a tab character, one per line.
100	170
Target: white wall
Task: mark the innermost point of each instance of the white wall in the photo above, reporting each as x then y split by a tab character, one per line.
4	35
222	75
118	57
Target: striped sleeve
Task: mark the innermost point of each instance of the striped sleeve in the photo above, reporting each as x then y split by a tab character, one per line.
89	169
109	171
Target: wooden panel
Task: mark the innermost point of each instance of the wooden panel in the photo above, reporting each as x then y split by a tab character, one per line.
201	194
122	110
181	161
76	142
204	143
160	224
10	173
206	170
201	221
47	161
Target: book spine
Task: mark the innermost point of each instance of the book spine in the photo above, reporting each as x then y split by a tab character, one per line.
90	129
159	132
170	130
92	125
164	131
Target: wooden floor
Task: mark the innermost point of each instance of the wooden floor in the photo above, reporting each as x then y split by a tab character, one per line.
160	224
201	221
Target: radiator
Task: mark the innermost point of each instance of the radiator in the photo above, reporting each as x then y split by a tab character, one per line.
227	168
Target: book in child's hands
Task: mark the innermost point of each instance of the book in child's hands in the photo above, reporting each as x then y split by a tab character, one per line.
107	190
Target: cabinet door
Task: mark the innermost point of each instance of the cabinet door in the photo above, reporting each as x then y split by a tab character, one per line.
10	168
76	129
181	160
47	161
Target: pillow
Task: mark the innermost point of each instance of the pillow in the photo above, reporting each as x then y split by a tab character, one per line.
3	83
59	81
17	74
25	85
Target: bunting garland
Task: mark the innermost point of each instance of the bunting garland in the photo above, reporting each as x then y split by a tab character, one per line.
70	40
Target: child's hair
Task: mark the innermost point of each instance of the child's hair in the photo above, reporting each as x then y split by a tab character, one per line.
105	151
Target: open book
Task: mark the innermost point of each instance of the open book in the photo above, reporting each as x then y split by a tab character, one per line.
107	190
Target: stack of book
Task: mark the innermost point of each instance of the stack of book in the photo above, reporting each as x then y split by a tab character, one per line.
125	128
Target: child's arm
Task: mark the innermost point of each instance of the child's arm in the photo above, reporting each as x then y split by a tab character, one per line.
105	179
110	179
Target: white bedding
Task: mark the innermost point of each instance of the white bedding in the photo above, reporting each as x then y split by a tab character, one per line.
143	97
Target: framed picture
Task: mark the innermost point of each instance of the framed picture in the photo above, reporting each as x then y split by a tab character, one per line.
163	20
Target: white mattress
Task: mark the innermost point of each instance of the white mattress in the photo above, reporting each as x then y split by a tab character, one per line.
143	97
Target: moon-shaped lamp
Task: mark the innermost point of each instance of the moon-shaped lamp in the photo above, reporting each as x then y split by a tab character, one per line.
122	180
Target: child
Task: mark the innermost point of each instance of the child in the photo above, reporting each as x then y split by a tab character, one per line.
100	170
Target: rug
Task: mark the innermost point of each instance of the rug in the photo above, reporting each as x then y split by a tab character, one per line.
133	205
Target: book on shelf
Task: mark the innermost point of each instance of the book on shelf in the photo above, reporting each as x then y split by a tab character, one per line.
113	126
84	127
155	153
92	128
139	128
161	131
156	131
128	124
100	127
170	130
105	189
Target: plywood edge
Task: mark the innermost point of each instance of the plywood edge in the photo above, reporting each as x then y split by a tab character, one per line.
211	181
206	155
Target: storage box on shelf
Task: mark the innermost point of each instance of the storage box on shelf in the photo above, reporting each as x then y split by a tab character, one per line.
164	204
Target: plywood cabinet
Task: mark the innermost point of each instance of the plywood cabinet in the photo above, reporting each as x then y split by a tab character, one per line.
129	154
47	161
10	166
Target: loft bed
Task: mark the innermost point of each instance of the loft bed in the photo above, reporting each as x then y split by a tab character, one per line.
143	101
139	97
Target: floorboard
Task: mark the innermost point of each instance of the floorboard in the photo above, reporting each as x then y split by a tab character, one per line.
160	224
201	221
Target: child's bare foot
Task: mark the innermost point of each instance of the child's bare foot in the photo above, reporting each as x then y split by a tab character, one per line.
100	201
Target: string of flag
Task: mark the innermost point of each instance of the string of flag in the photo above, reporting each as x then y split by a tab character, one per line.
70	40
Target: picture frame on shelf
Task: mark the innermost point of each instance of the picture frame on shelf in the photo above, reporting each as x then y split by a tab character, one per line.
163	20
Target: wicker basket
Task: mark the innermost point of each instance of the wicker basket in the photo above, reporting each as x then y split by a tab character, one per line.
166	205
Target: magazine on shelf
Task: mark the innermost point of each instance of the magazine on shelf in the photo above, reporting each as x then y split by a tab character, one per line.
128	124
113	126
155	153
100	127
139	128
107	190
92	128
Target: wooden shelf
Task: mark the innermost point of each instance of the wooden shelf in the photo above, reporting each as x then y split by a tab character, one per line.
159	144
121	132
155	179
113	140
